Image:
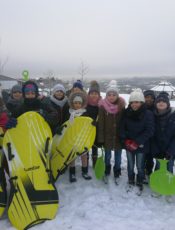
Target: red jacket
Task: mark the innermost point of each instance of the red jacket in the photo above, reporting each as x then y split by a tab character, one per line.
3	120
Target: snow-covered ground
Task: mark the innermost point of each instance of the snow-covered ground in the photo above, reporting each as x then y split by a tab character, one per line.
87	205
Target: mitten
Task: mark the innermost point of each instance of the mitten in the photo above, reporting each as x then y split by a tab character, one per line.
11	123
131	145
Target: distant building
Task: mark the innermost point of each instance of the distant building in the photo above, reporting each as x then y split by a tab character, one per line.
164	86
7	82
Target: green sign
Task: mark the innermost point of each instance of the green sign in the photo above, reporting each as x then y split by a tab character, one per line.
25	74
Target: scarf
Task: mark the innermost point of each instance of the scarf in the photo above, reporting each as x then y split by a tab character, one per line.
109	107
136	114
60	103
75	113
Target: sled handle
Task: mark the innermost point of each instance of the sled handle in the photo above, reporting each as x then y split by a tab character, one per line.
47	145
9	149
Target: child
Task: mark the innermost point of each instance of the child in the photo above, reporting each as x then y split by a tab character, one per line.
92	110
32	102
149	99
149	163
77	103
15	99
59	102
136	129
110	112
164	138
3	161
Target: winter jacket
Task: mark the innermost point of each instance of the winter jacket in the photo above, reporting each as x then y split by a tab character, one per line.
163	144
108	126
92	112
137	126
62	111
13	105
45	110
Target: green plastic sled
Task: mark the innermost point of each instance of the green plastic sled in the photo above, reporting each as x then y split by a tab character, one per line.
100	167
162	181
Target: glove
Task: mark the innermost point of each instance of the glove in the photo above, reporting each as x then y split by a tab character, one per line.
131	145
11	123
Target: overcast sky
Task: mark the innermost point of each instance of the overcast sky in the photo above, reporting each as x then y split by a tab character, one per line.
112	37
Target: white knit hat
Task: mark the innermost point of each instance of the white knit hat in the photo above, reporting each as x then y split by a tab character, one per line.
136	95
78	99
112	87
58	87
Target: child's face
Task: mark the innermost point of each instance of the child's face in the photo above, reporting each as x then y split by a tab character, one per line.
135	105
161	106
17	95
76	90
94	95
59	94
77	105
111	97
149	100
30	94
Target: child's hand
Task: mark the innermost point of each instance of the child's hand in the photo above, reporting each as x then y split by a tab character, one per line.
131	145
11	123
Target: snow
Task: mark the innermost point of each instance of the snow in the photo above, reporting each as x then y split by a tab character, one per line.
87	205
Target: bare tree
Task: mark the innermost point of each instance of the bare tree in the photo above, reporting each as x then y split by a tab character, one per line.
2	62
83	70
50	76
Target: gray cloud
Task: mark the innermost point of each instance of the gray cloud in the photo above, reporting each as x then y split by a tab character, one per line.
116	37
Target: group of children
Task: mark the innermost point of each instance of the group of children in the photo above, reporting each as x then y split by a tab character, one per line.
145	128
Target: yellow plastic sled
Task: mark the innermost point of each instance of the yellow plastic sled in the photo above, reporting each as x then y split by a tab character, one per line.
77	137
33	197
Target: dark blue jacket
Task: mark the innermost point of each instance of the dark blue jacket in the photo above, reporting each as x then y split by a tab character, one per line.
138	126
163	144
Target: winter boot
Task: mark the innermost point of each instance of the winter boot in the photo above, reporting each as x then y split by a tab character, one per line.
107	170
106	179
117	174
85	174
107	173
72	177
131	180
139	182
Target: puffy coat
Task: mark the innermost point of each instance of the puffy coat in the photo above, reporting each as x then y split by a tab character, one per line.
138	126
163	143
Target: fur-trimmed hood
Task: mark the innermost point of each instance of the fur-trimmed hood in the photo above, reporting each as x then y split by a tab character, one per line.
81	94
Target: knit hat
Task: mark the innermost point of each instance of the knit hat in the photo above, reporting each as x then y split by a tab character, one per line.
30	86
78	96
58	87
112	87
149	92
16	88
78	84
94	87
163	96
78	99
136	95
